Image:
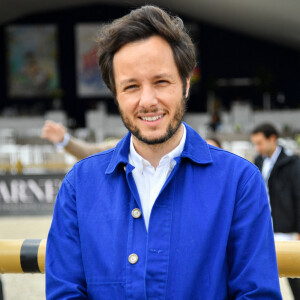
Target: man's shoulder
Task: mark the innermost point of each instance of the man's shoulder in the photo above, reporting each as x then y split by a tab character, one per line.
95	163
287	158
223	153
209	153
236	171
232	160
258	160
98	157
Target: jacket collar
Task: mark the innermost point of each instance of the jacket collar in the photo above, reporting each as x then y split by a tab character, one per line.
283	159
195	149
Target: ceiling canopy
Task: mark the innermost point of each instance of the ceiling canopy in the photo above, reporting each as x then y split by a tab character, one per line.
276	20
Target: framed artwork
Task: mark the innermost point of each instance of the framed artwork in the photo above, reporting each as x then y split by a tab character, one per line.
88	77
32	60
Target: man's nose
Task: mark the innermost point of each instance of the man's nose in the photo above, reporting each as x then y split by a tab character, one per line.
148	97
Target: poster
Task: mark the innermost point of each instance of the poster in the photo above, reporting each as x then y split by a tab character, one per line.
89	82
32	60
29	194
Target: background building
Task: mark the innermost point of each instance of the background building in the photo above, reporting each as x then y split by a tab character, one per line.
248	51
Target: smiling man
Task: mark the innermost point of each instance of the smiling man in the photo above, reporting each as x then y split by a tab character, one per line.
163	215
150	96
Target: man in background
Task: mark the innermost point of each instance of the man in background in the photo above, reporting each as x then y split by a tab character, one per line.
281	173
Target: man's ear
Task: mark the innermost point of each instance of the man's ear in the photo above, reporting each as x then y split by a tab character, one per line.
187	89
273	138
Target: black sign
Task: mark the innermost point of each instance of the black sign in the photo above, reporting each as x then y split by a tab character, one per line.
28	194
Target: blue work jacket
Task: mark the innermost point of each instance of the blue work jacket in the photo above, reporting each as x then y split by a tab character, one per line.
210	234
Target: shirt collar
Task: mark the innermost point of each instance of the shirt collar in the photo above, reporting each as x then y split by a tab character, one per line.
195	149
139	162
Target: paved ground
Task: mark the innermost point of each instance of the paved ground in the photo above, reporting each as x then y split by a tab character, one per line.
32	286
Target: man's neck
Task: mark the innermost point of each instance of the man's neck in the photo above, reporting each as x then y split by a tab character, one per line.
154	153
270	154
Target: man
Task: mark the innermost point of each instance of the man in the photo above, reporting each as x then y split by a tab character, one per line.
163	215
281	173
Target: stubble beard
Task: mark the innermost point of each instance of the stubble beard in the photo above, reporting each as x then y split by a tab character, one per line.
171	130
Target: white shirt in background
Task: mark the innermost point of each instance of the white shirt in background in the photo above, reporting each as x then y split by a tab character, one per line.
269	163
149	181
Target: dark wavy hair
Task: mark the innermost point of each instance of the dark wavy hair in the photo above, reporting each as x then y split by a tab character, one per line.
140	24
266	129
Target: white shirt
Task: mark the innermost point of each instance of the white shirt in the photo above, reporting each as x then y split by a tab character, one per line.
267	167
149	181
269	163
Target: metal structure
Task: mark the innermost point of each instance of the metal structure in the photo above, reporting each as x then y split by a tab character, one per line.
28	256
270	19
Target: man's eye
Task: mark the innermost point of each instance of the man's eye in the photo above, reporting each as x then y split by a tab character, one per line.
130	87
162	81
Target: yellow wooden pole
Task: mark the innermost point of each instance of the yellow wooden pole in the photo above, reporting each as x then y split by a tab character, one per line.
10	256
42	255
28	256
288	258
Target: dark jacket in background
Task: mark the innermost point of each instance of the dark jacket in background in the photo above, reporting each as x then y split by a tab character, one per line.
284	192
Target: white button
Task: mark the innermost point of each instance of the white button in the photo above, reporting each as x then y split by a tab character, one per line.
136	213
125	168
133	258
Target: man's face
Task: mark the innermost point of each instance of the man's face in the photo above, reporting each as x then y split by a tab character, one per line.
149	90
263	145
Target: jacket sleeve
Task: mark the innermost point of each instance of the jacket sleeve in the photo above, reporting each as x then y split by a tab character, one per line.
253	272
296	191
64	269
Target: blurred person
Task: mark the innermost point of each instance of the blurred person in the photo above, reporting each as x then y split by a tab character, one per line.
215	122
281	173
57	134
163	215
212	140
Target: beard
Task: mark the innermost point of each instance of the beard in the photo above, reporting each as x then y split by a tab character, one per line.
171	129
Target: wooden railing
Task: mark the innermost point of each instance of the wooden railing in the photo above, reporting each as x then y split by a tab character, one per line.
28	256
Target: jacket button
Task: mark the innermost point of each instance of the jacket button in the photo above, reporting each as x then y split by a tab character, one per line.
133	258
136	213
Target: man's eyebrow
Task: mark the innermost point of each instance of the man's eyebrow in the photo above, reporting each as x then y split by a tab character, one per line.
163	75
132	80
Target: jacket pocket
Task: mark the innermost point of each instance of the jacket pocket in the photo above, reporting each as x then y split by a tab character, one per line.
98	290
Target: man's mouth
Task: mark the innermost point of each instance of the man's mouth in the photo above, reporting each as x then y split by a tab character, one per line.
152	119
